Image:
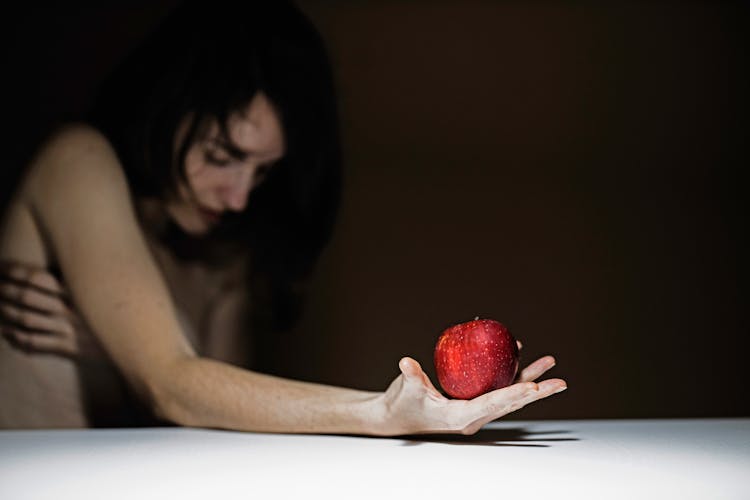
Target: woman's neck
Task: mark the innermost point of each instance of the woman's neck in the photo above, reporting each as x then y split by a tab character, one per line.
152	216
161	229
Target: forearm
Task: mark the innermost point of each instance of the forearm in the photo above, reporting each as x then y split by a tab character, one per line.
200	392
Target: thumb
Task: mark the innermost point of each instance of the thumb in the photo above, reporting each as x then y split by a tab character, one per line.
410	368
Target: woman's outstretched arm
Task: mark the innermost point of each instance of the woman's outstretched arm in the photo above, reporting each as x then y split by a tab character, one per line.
77	191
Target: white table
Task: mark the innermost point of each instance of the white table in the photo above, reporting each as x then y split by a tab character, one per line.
706	459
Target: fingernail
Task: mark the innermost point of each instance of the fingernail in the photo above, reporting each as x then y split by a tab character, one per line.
560	389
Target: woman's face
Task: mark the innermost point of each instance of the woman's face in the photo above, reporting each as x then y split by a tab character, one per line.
221	172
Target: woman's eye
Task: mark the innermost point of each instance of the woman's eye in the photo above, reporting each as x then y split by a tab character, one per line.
217	160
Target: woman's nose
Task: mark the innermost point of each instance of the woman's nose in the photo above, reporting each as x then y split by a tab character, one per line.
238	189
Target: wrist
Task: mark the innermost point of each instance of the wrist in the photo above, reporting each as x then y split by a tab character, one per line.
373	414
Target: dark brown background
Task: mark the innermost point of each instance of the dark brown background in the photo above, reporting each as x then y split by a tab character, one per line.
573	170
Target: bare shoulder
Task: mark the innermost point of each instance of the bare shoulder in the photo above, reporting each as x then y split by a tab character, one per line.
76	190
75	139
76	156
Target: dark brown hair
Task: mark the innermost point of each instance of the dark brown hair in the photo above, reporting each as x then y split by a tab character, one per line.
206	61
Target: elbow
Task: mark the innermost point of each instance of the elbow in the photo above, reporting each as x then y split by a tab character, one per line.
166	408
166	398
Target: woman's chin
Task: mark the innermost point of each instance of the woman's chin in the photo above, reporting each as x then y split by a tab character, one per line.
192	226
193	222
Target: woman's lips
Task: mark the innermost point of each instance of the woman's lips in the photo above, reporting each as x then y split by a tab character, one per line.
210	215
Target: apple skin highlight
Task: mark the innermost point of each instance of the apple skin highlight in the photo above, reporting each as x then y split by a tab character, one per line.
475	357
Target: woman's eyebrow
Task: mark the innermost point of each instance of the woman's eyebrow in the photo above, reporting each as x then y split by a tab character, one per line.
231	148
235	151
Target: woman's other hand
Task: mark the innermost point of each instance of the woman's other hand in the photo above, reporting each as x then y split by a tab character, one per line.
412	404
36	314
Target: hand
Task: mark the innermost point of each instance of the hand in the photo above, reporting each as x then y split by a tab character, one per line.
414	406
36	314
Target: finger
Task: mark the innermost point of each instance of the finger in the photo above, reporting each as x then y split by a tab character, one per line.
411	370
536	369
493	405
413	374
39	342
33	320
35	276
31	297
432	389
519	344
494	411
500	402
46	281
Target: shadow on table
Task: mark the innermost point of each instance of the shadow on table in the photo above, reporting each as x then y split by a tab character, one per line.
517	436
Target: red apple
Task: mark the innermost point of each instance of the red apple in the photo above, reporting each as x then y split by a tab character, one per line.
475	357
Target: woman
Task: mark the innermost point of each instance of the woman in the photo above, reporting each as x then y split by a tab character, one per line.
211	155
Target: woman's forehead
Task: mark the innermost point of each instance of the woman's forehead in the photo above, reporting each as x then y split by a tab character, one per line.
256	126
